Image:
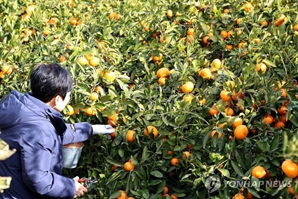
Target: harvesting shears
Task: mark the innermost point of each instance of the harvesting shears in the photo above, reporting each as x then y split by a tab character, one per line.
87	182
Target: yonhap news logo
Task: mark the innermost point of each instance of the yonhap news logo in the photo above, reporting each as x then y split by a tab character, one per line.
214	183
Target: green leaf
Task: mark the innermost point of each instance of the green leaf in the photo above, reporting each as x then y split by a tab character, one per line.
269	63
115	194
240	159
204	27
263	146
156	174
236	168
159	144
114	162
224	172
116	175
155	182
145	154
293	119
255	182
275	142
254	192
207	136
160	187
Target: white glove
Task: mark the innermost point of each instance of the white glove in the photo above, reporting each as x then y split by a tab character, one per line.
102	129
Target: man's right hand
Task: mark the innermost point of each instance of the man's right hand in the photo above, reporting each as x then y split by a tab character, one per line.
80	189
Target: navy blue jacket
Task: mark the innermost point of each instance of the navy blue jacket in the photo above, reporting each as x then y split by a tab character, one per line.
38	132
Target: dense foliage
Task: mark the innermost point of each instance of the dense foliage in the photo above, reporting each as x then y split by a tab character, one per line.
222	62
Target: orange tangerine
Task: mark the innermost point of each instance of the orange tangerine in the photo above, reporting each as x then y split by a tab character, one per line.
216	63
93	96
268	119
290	168
130	136
282	110
258	172
174	161
262	67
240	132
163	72
187	87
225	95
279	124
280	20
186	154
151	129
205	73
213	133
238	121
213	110
229	111
128	166
162	80
295	27
190	31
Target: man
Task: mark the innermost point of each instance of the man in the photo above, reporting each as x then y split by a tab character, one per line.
32	124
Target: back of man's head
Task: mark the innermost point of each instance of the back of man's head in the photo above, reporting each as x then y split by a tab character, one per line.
50	80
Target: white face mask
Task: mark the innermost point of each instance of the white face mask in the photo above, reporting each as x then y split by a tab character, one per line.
59	103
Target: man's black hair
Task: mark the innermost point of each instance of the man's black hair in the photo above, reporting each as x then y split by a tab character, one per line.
50	80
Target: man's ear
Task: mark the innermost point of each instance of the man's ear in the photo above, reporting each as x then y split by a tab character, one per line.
53	102
58	99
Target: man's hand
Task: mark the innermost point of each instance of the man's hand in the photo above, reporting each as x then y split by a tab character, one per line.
80	189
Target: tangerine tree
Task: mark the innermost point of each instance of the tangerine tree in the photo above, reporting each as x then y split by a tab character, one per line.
168	76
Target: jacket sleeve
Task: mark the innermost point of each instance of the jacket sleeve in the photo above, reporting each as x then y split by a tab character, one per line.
36	152
77	132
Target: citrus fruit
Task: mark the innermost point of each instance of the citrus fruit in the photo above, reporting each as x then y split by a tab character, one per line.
240	132
93	96
130	136
213	133
268	119
205	73
225	95
82	61
258	172
290	168
229	111
174	161
187	87
109	76
186	154
262	67
122	195
128	166
151	129
163	72
238	196
213	110
238	121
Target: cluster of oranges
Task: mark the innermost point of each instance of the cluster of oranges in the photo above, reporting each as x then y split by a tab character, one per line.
280	121
114	15
74	21
28	12
123	195
6	70
162	75
258	172
89	59
130	134
206	73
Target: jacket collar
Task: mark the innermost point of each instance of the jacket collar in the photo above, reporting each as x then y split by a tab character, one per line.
55	117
